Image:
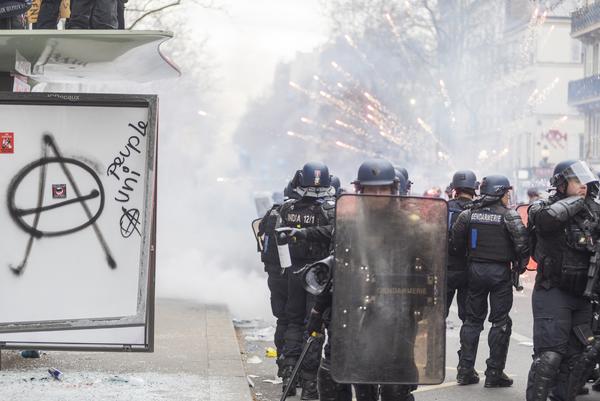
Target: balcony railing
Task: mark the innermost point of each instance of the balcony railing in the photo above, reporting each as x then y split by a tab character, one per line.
584	19
584	90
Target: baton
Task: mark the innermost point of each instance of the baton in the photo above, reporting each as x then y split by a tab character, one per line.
310	340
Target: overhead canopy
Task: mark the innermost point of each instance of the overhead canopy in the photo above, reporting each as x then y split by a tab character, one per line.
86	55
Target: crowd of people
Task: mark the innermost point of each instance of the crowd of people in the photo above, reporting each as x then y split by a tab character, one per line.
488	247
49	14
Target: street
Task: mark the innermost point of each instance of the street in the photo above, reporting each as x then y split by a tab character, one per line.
517	366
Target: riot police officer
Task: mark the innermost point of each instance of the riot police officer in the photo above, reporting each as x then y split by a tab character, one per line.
335	183
404	184
464	184
308	221
277	280
564	226
375	177
492	236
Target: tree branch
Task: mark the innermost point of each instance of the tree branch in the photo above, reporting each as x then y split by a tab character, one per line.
438	31
156	10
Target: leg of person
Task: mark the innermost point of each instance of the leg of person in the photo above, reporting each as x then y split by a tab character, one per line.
120	14
329	389
104	15
397	392
460	282
295	312
462	291
551	333
81	11
48	15
366	392
310	365
450	289
501	300
570	379
471	329
278	287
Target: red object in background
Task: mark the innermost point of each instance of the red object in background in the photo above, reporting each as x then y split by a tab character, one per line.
522	210
7	142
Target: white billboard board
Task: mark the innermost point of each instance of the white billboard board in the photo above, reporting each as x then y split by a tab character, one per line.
77	243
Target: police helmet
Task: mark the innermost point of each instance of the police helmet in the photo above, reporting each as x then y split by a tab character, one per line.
376	172
567	169
494	185
464	179
335	182
404	173
403	183
315	174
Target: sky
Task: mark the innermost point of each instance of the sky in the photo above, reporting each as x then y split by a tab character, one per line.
250	38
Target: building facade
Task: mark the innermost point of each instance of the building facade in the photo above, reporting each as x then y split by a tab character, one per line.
584	93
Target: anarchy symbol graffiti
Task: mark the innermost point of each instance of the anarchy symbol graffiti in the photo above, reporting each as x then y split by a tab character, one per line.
18	214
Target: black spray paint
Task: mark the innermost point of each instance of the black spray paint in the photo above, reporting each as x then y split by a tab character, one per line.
17	214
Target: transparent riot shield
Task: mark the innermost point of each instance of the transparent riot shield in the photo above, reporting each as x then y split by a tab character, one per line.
388	315
259	238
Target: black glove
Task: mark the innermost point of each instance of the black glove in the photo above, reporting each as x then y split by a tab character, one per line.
298	233
315	322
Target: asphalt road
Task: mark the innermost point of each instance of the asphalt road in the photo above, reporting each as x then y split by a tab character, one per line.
518	363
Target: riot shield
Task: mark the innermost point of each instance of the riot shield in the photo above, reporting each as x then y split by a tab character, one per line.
388	315
522	210
259	238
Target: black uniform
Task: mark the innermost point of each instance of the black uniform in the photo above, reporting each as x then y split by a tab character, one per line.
493	236
562	232
457	274
277	277
315	216
329	389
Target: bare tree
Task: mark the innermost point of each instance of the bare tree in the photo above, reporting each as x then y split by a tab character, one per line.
138	10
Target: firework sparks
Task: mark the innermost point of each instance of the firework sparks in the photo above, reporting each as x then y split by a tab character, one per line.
539	97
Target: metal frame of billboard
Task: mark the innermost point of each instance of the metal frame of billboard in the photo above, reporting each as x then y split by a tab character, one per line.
146	316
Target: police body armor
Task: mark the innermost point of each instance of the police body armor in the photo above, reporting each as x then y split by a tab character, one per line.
456	262
563	255
308	212
268	224
488	238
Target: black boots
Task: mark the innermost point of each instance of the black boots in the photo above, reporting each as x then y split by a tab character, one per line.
497	378
309	388
286	375
466	376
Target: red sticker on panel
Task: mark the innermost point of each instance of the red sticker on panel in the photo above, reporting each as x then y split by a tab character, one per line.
7	142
